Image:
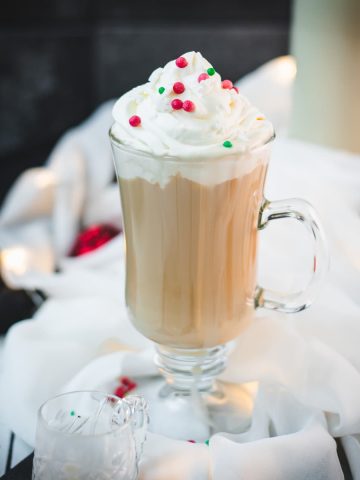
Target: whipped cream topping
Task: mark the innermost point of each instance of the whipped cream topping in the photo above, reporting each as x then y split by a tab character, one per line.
221	120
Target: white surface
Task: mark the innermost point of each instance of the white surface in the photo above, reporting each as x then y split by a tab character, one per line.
305	365
2	340
21	450
5	432
5	435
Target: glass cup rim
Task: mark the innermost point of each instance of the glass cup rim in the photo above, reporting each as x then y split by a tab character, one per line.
45	422
126	148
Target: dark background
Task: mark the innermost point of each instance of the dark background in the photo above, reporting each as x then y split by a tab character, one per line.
59	59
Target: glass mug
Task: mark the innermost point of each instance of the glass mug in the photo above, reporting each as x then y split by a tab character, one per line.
191	230
85	435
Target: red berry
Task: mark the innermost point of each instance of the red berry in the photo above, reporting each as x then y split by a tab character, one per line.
179	87
127	384
120	392
227	84
236	89
92	238
135	121
181	62
125	380
203	76
189	106
177	104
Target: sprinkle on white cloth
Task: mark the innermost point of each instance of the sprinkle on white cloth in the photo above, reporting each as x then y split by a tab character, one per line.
307	365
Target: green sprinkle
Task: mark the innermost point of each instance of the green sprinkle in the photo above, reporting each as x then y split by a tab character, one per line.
72	413
161	90
207	442
227	144
211	71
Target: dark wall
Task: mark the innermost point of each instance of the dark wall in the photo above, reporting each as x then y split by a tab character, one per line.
60	58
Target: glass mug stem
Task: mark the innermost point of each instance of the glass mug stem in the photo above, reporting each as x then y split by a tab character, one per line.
185	368
303	212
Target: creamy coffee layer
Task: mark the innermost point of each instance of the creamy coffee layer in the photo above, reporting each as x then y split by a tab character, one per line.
191	257
159	170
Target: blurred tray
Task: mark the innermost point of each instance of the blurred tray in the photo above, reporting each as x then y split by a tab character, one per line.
23	470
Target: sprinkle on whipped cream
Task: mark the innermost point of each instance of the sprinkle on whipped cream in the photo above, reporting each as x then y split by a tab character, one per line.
188	111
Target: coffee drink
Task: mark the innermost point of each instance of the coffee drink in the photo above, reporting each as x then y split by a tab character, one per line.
191	156
191	257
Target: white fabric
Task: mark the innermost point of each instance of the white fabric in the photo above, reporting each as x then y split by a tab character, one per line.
307	365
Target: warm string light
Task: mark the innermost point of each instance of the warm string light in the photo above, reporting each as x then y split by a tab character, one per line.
284	70
15	261
18	261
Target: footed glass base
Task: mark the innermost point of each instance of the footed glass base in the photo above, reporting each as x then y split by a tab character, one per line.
186	370
190	404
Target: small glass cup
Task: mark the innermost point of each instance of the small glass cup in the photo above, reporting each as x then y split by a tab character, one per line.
89	435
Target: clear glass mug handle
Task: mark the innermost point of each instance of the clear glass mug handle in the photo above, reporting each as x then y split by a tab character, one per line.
139	420
302	211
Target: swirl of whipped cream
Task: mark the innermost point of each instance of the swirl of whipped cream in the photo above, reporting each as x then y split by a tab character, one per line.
220	115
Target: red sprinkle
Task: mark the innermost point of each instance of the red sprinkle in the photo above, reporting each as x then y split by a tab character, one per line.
135	121
191	441
189	106
120	392
179	87
227	84
236	89
203	76
126	386
177	104
125	381
181	62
